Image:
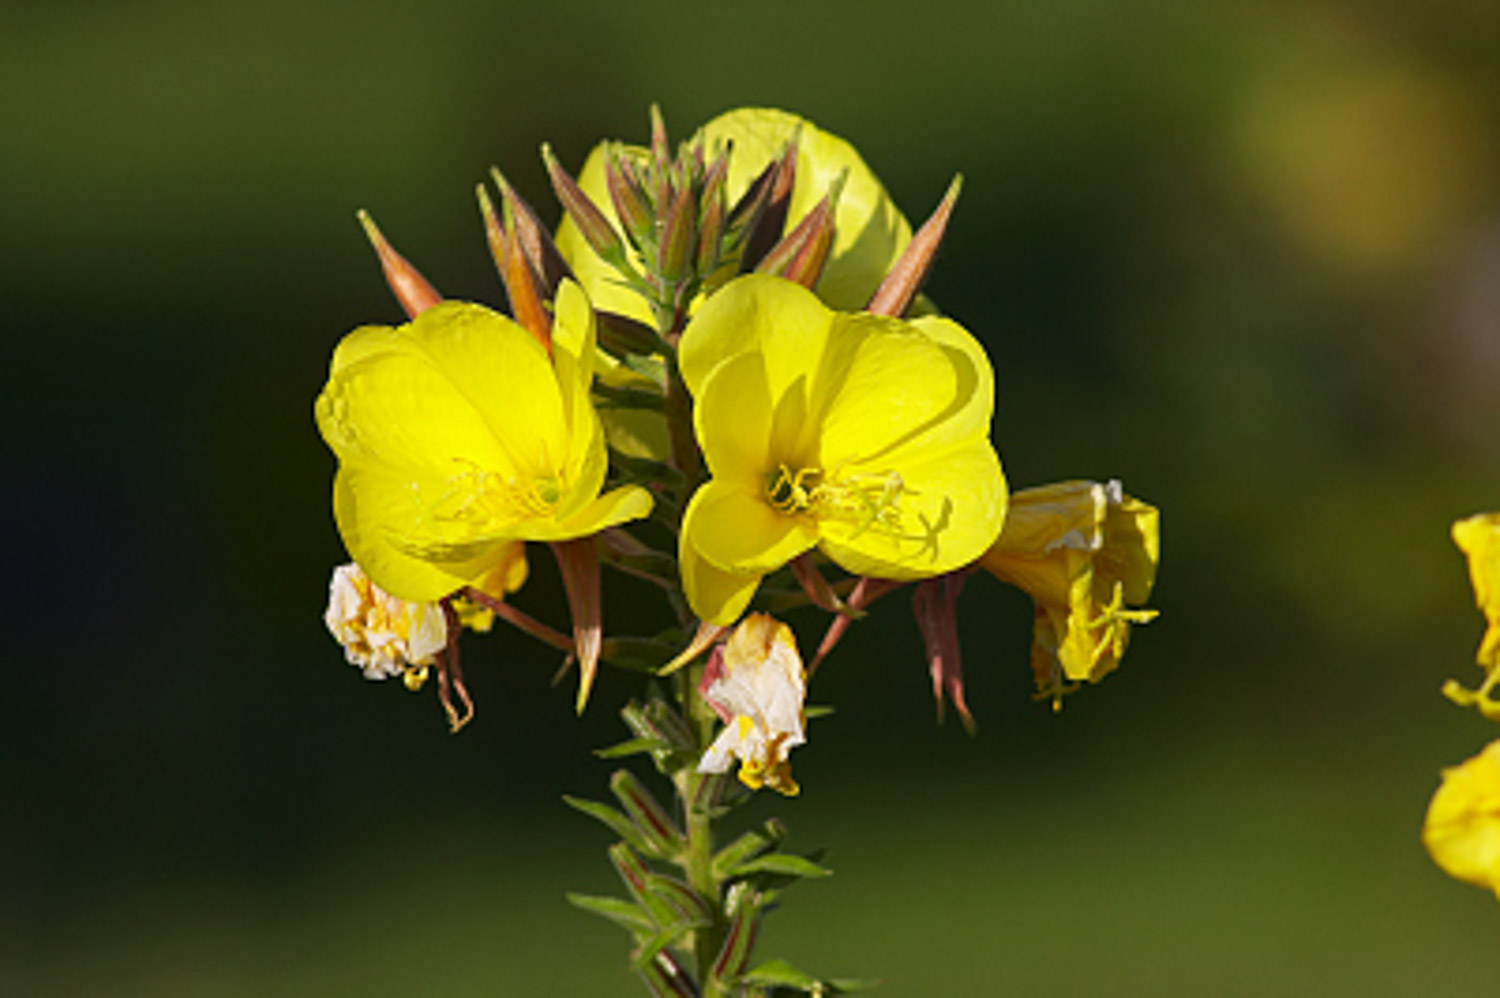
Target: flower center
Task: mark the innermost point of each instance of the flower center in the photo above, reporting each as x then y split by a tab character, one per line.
479	497
870	501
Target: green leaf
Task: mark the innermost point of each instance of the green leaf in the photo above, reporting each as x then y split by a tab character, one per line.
647	813
636	746
781	863
647	951
688	903
817	710
624	914
780	974
748	846
617	822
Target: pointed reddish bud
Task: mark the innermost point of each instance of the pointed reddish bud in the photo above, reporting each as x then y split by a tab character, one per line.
678	238
712	217
935	606
665	976
764	228
649	816
592	224
661	154
515	273
866	591
800	256
410	287
629	200
705	637
535	241
900	287
739	940
578	560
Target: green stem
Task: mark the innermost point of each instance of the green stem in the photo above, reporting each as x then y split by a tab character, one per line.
698	861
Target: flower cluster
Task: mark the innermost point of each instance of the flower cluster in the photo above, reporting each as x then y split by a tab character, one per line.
1462	829
718	376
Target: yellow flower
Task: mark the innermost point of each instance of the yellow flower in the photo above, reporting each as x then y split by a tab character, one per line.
1084	552
1462	831
863	435
1478	537
757	684
381	634
869	231
457	435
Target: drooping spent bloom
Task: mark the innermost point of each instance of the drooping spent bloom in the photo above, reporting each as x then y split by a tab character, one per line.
869	231
383	635
1478	537
1086	553
756	683
862	435
1462	830
458	434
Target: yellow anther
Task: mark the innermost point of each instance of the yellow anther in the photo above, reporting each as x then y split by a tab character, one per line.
414	677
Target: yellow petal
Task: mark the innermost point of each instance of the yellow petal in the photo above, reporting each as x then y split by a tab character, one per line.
629	502
364	520
940	514
756	312
733	420
735	530
714	595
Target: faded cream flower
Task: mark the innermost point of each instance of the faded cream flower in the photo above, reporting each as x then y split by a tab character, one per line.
757	684
1462	830
383	635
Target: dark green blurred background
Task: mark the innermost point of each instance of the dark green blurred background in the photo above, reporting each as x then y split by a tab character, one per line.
1244	256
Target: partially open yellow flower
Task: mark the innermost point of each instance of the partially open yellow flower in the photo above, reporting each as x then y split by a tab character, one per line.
381	634
863	435
1462	831
1086	553
869	231
757	683
458	435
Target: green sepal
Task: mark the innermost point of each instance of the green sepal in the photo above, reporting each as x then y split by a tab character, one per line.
611	397
647	813
747	847
617	822
624	914
783	864
643	470
739	939
780	974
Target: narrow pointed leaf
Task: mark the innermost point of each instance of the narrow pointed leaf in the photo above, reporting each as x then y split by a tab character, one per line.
622	913
647	813
636	746
634	873
689	904
782	864
747	847
617	822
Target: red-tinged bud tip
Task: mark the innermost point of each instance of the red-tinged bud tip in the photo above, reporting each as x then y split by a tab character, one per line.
906	277
592	224
411	289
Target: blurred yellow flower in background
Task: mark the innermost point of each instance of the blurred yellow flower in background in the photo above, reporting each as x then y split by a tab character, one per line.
1462	830
1478	537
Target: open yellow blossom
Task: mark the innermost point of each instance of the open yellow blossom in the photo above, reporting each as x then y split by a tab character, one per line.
1086	553
383	635
1462	830
457	435
863	435
757	684
869	231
